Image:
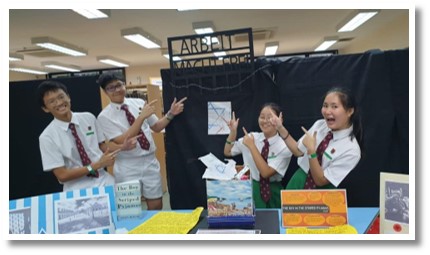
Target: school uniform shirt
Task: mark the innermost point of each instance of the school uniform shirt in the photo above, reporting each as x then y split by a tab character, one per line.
58	148
278	159
136	163
340	157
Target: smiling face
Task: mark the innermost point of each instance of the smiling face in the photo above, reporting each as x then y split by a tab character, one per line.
57	102
264	122
115	90
334	112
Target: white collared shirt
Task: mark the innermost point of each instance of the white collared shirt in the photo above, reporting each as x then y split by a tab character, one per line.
278	159
113	123
131	164
340	156
58	148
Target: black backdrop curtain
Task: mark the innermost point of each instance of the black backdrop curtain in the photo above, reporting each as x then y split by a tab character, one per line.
27	121
378	79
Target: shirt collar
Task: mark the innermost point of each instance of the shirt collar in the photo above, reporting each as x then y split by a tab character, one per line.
271	140
65	125
118	106
340	134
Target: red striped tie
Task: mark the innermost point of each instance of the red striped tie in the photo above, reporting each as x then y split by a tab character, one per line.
82	153
310	184
143	141
265	192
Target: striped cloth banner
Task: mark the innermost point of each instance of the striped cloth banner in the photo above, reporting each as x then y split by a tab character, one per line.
37	215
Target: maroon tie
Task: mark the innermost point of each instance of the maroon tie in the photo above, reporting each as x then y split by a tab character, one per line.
82	153
143	141
265	182
310	184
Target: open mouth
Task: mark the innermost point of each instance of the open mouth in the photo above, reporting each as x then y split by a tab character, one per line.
330	121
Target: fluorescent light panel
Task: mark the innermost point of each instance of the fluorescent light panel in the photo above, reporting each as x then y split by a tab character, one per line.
203	27
15	57
327	43
62	67
26	70
59	46
112	61
137	35
358	20
93	13
271	48
220	54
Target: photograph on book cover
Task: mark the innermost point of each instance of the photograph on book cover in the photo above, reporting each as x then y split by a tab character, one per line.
82	215
394	203
20	221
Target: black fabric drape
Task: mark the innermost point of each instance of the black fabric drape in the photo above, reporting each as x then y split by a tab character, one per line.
379	81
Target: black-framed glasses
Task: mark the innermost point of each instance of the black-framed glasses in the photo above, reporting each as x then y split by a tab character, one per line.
113	88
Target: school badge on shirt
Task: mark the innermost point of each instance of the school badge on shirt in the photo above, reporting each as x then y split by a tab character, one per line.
89	131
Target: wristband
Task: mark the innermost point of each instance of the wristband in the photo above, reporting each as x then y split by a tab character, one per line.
91	170
228	142
284	138
313	155
170	116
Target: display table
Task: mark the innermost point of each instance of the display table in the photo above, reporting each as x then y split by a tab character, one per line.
267	220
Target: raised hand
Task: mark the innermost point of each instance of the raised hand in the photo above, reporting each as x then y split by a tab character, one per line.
309	141
148	109
248	139
275	120
177	107
233	123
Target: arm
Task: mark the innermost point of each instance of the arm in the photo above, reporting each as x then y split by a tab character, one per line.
134	129
64	174
285	135
175	109
265	170
232	125
314	166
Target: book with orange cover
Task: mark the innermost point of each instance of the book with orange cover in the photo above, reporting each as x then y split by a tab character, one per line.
314	208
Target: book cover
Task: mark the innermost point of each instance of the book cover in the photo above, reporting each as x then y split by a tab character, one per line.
314	208
394	203
128	199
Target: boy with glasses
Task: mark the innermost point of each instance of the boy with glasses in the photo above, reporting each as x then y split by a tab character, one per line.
71	146
130	117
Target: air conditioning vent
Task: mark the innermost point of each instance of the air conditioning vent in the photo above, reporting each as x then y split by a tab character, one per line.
346	39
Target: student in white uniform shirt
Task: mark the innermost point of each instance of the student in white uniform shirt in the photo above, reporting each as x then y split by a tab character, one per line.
139	163
343	153
58	145
251	145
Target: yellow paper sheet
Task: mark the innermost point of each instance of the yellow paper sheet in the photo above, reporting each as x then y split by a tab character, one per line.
169	223
342	229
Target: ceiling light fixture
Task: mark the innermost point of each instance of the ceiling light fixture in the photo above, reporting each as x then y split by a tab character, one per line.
327	43
271	48
62	67
59	46
137	35
203	27
93	13
220	53
165	53
357	20
112	61
26	70
16	57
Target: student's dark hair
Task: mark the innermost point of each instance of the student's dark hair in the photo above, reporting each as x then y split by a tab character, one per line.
272	106
106	78
348	101
49	86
